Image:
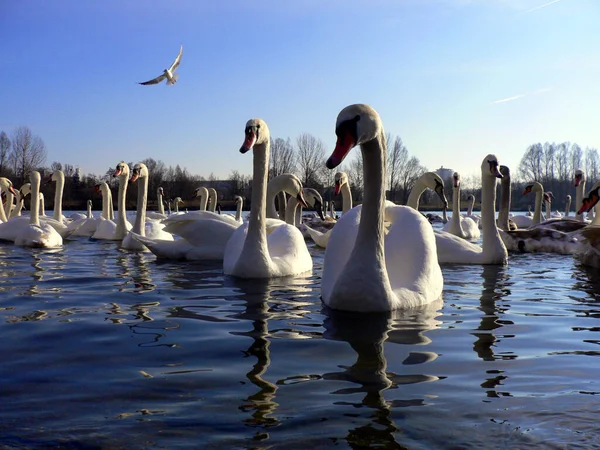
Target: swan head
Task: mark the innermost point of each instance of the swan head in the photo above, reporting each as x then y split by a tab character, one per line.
238	200
505	171
139	171
89	203
579	177
590	201
160	191
568	197
341	178
290	184
533	187
456	180
200	192
257	133
178	200
355	125
434	182
314	199
56	176
7	185
490	166
24	191
122	170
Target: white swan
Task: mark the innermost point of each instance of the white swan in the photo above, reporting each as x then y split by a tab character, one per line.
109	229
364	269
142	227
59	177
36	233
504	221
251	252
451	249
522	221
567	205
24	191
286	183
465	228
579	183
341	185
86	226
202	194
6	187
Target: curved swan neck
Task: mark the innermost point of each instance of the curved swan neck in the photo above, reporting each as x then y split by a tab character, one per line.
34	213
470	208
568	207
42	212
491	241
346	198
456	210
140	218
291	210
238	212
121	230
60	185
505	200
415	194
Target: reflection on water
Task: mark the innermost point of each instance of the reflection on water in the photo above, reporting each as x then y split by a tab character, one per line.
104	347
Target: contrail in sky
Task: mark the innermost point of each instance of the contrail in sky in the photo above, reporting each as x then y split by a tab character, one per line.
509	99
541	6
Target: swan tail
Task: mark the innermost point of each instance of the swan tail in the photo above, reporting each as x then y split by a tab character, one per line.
319	238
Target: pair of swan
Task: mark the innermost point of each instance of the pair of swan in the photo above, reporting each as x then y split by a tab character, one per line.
111	229
252	252
463	227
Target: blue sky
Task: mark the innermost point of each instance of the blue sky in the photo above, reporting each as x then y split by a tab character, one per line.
456	79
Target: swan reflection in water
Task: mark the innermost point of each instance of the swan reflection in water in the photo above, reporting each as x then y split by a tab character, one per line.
366	334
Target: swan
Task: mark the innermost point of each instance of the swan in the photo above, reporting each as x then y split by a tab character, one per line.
6	187
42	209
212	199
251	252
109	229
239	204
364	269
286	183
86	226
24	191
142	227
8	199
471	203
452	249
176	202
202	194
529	213
465	228
522	221
341	185
504	222
107	204
579	184
36	233
567	205
160	214
59	177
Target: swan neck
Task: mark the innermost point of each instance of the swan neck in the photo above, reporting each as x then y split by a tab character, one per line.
213	200
140	217
537	211
121	230
456	209
579	199
238	212
470	209
568	208
161	207
291	210
60	185
415	194
346	198
505	200
34	213
488	213
105	200
596	219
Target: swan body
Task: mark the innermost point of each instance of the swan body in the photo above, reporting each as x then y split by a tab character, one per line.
37	234
251	252
364	269
465	228
451	249
142	227
85	226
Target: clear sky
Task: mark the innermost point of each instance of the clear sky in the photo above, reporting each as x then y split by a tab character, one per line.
456	79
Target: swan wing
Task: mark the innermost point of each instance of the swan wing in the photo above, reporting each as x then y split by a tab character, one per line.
288	250
210	230
452	249
411	257
319	238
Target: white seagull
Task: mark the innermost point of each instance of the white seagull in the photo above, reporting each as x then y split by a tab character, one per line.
167	73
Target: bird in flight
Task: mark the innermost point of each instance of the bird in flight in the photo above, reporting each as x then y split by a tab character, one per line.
169	74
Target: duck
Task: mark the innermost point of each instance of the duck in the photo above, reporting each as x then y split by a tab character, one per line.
365	269
251	252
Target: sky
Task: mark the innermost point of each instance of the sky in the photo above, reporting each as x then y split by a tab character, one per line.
455	79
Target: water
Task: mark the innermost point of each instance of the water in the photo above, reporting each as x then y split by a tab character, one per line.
103	348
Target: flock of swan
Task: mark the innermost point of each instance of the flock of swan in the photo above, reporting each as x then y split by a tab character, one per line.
379	256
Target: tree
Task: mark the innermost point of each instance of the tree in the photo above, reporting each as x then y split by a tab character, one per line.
408	175
28	152
592	164
397	159
355	176
4	149
311	158
283	159
530	167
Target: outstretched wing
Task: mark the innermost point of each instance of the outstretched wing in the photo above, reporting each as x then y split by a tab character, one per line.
175	64
156	80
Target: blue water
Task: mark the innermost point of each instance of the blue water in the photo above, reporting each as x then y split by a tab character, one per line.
104	348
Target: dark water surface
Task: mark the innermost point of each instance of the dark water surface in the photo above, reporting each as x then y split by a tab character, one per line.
103	348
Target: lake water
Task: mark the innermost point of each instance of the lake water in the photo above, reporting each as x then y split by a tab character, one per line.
103	348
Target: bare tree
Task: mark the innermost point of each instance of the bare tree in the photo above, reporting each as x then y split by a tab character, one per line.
28	152
282	159
562	162
355	175
408	176
311	158
397	159
576	157
4	149
530	167
592	164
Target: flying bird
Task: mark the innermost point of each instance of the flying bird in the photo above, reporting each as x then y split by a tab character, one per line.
167	73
